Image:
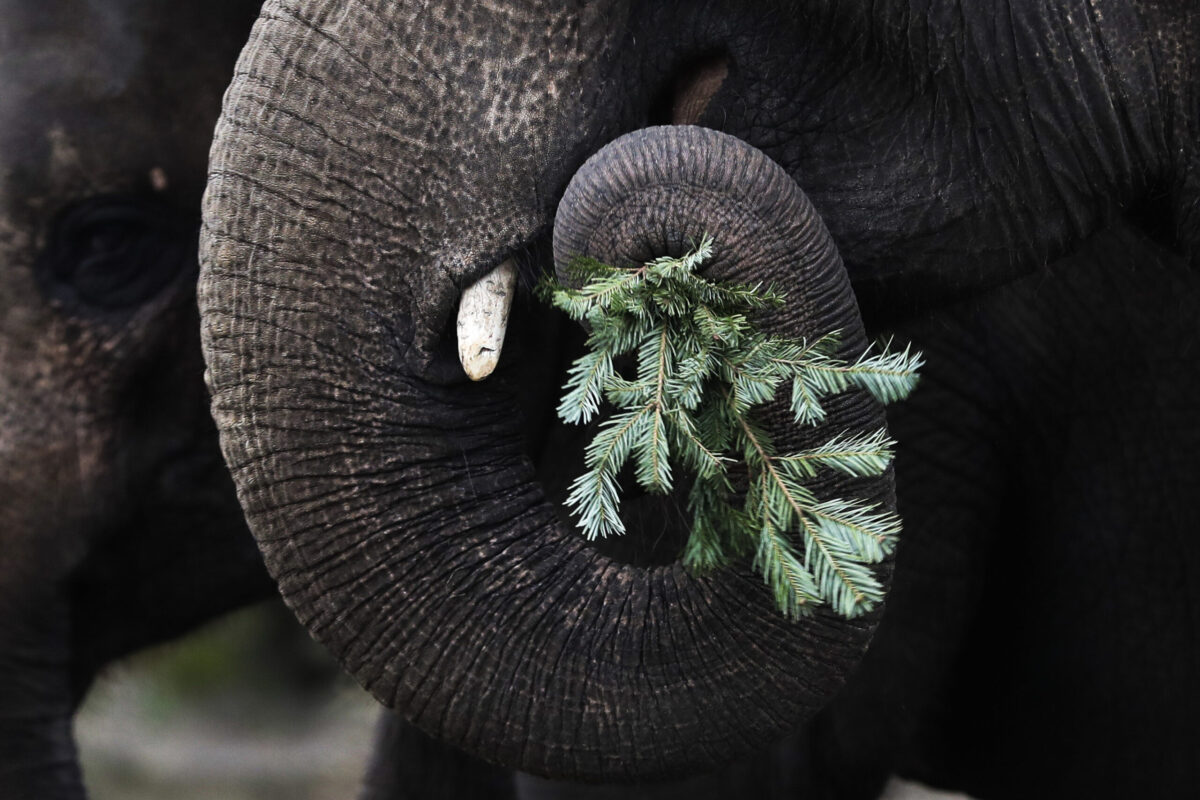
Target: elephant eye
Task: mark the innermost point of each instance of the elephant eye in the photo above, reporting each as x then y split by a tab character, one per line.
115	253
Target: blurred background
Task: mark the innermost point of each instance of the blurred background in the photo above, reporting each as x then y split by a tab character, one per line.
248	708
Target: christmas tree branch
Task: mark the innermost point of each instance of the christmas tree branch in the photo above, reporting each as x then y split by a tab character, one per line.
701	370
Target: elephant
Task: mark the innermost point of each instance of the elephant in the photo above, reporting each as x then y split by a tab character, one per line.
979	179
119	526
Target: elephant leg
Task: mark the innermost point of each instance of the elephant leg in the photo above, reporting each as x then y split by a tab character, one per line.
1039	634
408	765
1077	676
37	751
801	765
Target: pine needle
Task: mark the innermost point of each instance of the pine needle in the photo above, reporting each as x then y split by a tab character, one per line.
701	370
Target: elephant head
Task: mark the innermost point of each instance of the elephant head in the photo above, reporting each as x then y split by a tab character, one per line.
118	524
375	160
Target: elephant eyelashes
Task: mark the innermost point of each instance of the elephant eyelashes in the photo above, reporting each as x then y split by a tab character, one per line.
115	253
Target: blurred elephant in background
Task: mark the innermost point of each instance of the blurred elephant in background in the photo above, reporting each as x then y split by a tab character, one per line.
118	523
1011	185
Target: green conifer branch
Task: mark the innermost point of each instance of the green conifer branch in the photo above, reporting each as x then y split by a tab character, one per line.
701	370
785	504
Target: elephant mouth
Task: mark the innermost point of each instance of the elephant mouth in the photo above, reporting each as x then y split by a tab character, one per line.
540	344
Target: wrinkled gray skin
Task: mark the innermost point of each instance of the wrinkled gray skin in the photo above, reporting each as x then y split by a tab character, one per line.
376	158
118	525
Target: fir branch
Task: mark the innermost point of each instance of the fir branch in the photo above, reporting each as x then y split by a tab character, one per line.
714	540
844	576
691	446
606	288
585	383
888	377
594	494
784	503
806	403
857	455
862	528
701	370
794	588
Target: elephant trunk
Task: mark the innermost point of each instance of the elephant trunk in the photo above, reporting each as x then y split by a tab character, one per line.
658	191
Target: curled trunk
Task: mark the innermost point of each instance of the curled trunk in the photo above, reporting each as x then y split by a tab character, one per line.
393	499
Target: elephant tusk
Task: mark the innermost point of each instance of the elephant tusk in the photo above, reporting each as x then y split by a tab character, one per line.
483	318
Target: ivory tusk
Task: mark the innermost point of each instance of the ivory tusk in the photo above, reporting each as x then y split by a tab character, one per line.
483	318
